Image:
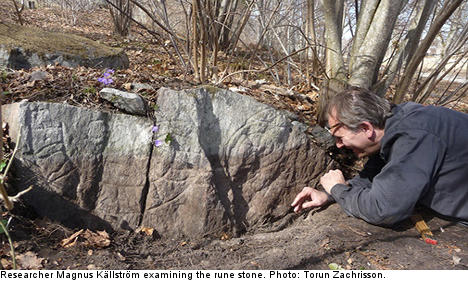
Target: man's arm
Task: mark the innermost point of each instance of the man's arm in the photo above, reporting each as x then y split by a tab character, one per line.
413	162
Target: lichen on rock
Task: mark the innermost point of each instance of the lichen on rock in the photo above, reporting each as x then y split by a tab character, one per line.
25	47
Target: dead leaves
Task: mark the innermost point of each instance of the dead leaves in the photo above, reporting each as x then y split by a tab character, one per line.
27	260
70	241
99	239
147	231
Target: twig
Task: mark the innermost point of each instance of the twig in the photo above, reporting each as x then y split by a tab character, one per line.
8	201
17	196
14	152
261	70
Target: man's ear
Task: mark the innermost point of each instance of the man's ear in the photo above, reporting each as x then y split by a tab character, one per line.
368	129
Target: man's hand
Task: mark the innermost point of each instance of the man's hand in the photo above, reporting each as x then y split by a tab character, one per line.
332	178
309	197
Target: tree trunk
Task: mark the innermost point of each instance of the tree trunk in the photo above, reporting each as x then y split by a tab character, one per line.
367	59
333	22
447	10
407	47
121	12
19	10
195	43
364	21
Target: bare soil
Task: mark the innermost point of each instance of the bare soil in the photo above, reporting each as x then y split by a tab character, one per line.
312	240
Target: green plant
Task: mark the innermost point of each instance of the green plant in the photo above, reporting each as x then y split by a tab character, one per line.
3	230
4	224
4	76
3	164
89	90
168	138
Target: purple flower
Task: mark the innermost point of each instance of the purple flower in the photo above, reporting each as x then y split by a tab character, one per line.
157	143
155	129
106	78
105	81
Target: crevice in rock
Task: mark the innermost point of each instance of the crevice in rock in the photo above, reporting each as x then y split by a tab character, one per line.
145	190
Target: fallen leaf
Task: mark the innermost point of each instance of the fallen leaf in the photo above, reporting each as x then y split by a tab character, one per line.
98	239
6	264
71	241
29	260
147	231
128	86
334	266
456	260
225	236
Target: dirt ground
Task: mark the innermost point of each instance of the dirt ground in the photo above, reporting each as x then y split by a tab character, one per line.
312	240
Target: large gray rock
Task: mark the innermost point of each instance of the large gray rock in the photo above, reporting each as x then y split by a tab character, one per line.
233	164
26	47
88	168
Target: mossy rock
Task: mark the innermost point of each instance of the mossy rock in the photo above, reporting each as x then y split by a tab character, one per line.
25	47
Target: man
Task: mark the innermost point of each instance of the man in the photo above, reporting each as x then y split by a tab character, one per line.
418	155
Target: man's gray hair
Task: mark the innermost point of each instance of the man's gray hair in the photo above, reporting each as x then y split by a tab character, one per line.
357	105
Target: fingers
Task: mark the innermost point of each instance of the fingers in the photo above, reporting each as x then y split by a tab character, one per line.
310	204
304	199
301	196
308	198
298	208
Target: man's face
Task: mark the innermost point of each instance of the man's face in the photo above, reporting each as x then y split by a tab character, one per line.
358	141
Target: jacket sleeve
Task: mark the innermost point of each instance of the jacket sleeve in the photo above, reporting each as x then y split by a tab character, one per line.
366	176
391	195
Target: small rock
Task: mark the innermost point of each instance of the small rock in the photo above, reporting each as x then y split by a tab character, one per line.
260	81
456	260
39	75
120	256
137	87
238	89
129	102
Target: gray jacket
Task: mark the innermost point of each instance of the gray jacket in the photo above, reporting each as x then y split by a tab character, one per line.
423	160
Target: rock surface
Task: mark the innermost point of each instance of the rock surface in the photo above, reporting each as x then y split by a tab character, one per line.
26	47
233	164
88	168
